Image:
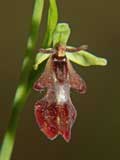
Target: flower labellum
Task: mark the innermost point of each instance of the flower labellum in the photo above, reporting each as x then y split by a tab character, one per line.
55	113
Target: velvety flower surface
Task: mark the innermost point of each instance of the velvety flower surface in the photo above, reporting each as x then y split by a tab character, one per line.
55	113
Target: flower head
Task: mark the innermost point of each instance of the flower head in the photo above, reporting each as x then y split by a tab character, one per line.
55	113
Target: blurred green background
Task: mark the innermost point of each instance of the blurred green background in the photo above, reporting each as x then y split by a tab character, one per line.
96	133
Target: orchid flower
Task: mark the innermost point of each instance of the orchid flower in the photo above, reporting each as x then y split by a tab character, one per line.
55	113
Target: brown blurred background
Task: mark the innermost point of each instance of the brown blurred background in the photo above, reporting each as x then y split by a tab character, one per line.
96	133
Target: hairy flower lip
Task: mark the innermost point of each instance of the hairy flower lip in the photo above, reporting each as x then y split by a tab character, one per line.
55	120
55	113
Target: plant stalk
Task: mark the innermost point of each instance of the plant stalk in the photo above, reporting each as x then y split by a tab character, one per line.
23	90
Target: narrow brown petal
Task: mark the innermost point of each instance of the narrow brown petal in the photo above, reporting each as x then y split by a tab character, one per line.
46	79
76	81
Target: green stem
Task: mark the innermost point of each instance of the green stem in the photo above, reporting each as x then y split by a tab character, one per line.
28	75
51	23
23	89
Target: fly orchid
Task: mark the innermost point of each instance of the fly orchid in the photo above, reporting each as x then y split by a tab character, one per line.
55	113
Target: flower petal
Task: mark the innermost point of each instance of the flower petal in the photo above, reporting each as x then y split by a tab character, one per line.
46	79
55	119
76	81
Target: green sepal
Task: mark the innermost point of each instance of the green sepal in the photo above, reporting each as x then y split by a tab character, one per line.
61	34
85	59
40	57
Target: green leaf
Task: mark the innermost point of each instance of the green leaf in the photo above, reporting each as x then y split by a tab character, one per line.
85	58
61	34
40	57
51	23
